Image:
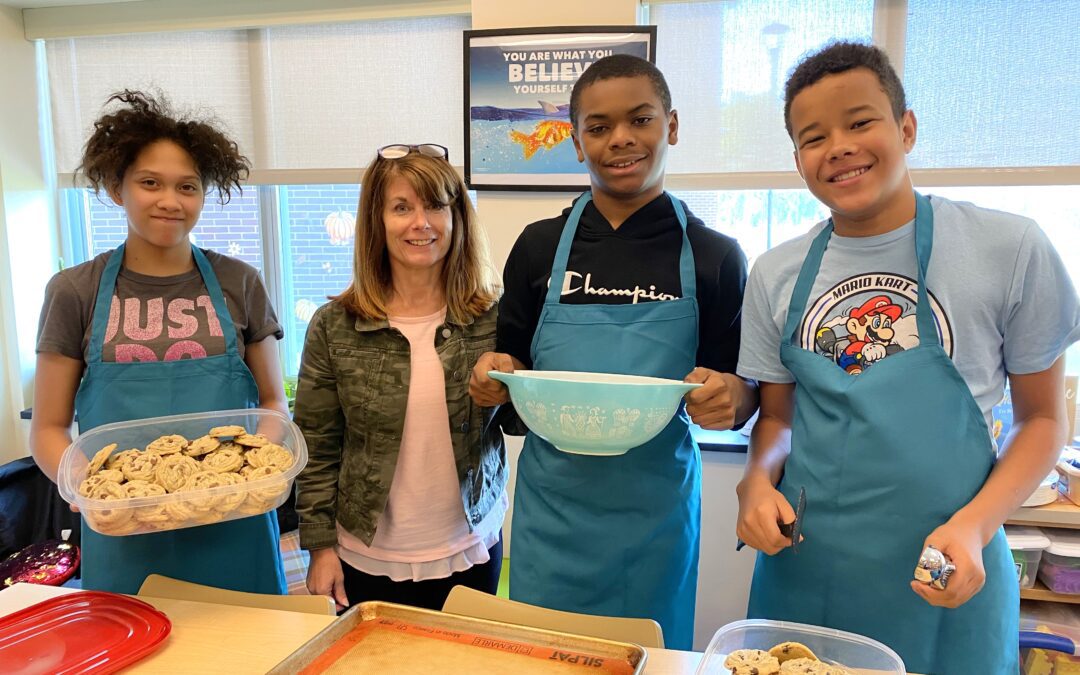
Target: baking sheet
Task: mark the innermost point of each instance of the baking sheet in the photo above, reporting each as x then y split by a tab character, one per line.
384	637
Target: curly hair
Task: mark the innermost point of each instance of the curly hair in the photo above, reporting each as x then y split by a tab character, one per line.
840	57
615	66
120	135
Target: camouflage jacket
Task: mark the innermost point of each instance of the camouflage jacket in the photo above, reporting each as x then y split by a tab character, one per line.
350	403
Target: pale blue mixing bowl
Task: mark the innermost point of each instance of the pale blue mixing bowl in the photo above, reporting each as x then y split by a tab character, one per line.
593	413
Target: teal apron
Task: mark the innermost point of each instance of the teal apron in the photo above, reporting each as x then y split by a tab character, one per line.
886	457
614	536
242	555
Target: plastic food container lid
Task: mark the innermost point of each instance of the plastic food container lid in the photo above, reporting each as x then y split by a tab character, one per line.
1064	543
81	632
1067	469
1065	461
1026	538
854	652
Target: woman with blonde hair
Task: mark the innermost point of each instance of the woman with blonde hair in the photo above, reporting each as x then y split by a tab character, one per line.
404	493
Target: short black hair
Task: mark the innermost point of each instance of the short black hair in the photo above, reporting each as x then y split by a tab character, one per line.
141	119
840	57
619	65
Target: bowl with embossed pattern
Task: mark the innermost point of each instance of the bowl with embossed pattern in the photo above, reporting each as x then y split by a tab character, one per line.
593	413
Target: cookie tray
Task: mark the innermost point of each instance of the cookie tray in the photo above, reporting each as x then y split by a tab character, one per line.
385	637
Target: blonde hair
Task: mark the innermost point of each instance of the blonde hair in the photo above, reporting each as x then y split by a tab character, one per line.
467	274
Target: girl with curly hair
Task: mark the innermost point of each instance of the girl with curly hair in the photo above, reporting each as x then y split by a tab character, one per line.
159	327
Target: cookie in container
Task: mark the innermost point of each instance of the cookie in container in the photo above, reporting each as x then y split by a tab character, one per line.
774	647
167	473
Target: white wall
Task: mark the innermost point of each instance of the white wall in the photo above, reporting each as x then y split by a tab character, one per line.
27	229
723	574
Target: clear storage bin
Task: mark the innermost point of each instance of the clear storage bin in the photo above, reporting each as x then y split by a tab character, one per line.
1059	568
853	652
1027	545
190	505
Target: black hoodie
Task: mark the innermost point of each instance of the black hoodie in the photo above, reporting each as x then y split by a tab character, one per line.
639	260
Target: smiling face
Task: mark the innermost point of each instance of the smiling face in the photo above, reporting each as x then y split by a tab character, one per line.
851	152
877	328
417	234
622	134
162	195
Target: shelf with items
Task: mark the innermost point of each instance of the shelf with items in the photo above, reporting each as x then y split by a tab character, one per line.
1041	592
1061	513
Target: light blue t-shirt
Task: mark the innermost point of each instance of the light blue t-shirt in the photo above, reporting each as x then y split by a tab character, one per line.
1003	301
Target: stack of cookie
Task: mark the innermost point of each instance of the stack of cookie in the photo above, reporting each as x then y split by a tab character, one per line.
784	658
143	481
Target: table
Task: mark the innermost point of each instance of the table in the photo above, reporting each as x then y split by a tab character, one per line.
213	638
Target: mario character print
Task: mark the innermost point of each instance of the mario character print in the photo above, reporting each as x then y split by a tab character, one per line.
867	318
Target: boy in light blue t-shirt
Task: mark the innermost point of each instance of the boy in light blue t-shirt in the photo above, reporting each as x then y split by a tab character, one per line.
881	340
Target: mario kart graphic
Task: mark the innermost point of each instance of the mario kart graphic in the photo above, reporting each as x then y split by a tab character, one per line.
866	319
869	335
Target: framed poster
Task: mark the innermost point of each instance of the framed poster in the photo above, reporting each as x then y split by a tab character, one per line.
517	101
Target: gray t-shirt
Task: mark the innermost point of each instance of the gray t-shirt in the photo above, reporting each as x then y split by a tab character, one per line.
155	318
1002	299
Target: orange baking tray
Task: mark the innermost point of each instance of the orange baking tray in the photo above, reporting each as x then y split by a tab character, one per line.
378	637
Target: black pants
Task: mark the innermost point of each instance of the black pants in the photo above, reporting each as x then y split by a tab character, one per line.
430	593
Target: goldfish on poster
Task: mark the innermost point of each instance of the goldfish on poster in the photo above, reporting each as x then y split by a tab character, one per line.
546	134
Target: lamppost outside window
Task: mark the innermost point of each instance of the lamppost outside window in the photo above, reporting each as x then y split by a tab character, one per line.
774	35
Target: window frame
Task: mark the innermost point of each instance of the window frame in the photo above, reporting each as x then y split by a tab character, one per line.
889	32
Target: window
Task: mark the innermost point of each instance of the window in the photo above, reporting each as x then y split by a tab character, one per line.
321	96
992	83
726	63
758	219
316	97
232	229
317	227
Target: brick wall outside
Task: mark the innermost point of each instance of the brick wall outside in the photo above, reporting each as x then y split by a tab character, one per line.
232	229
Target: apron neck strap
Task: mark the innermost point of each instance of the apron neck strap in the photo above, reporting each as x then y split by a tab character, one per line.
107	286
100	320
924	243
217	297
687	273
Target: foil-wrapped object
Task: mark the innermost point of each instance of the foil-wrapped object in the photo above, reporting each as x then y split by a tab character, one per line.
934	568
48	563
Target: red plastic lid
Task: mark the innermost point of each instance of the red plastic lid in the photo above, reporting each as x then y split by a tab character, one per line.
87	632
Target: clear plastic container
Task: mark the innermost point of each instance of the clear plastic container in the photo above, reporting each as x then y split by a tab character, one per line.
188	508
1046	493
1059	568
1068	469
1027	545
854	652
1047	647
